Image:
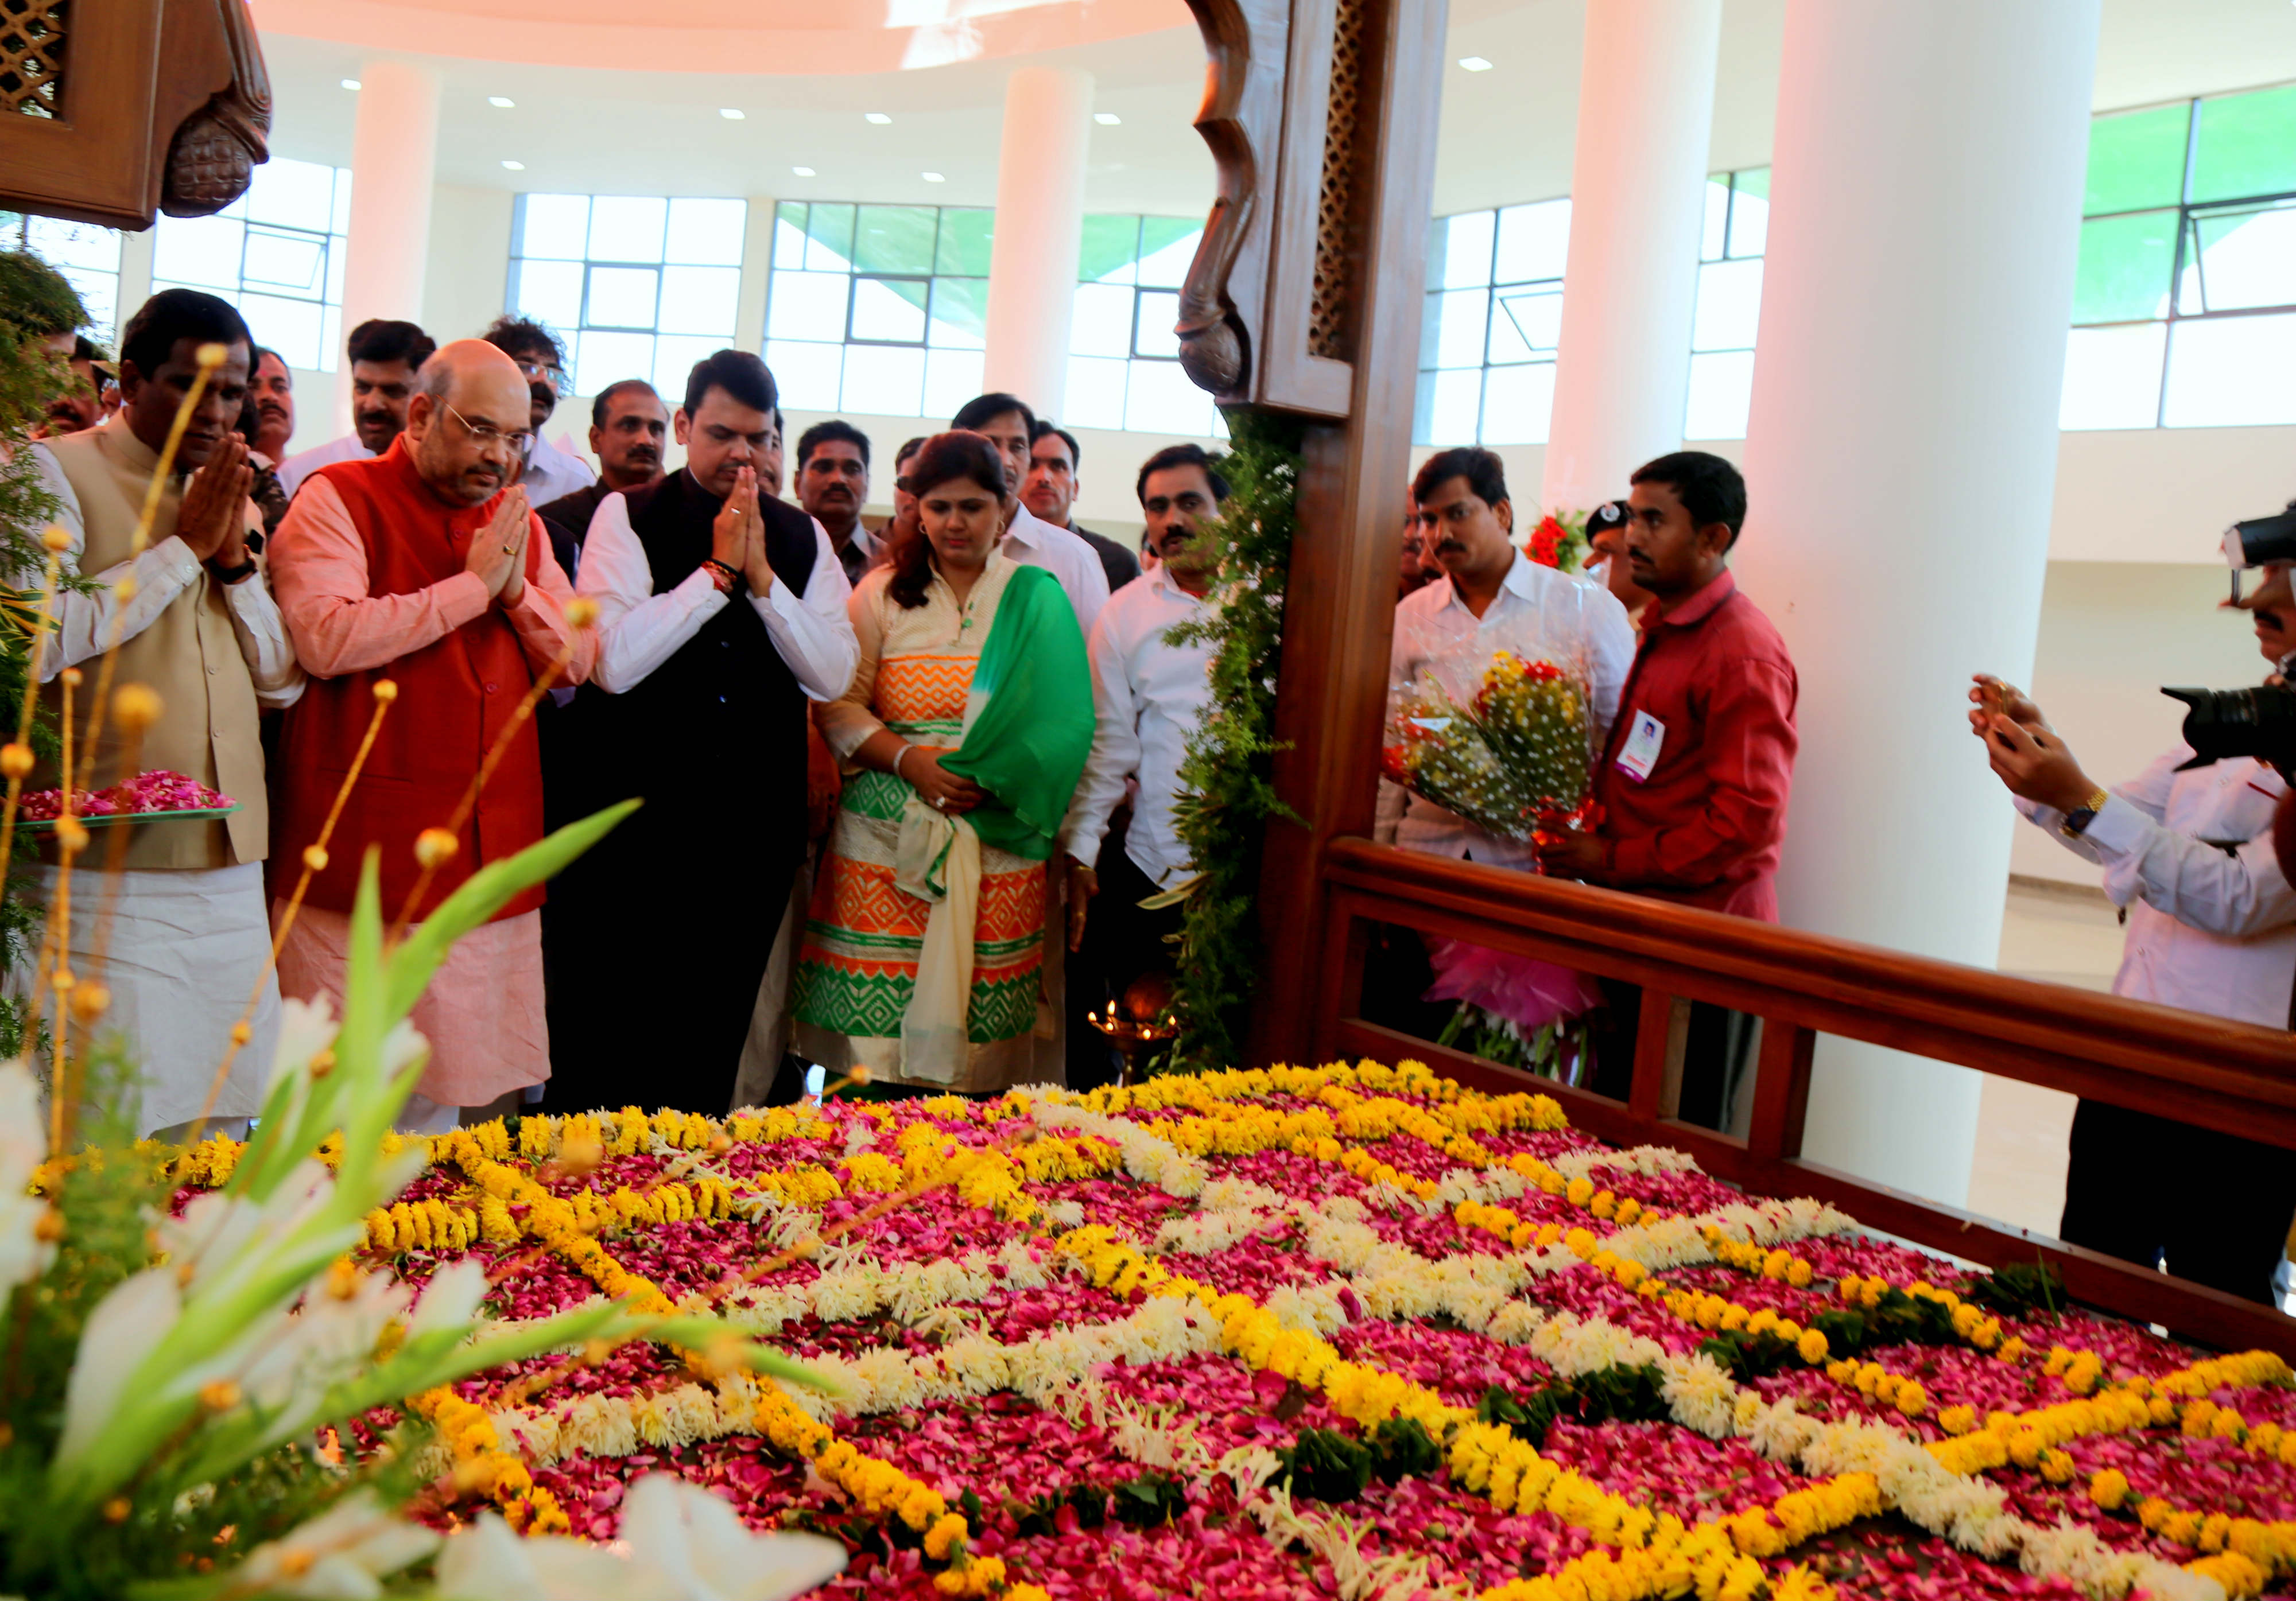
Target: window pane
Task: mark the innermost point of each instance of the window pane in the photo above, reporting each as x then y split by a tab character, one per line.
341	223
1713	234
339	254
290	327
1102	324
1160	399
1461	255
706	233
965	237
808	306
1534	241
552	225
699	300
1158	311
1750	212
952	378
548	291
100	293
1455	328
2245	259
1721	384
788	233
806	375
1111	244
295	263
960	314
674	356
886	378
1448	403
2136	159
2125	263
1530	320
2112	377
605	358
2246	145
894	238
622	298
889	308
1517	402
830	230
2231	373
1168	244
201	250
1095	397
299	194
68	244
1729	305
627	227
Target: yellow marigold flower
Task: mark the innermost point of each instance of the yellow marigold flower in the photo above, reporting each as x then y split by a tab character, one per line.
2109	1488
1811	1347
1799	1276
1912	1400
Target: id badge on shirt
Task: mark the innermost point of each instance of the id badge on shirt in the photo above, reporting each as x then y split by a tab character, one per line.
1639	754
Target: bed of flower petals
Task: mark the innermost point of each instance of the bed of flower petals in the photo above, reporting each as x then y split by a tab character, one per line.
1351	1332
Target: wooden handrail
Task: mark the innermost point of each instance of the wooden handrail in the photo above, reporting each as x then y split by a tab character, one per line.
2236	1077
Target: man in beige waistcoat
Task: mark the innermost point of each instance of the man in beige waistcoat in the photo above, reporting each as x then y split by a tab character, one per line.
190	934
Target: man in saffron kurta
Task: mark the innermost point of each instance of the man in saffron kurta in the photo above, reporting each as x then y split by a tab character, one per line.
424	565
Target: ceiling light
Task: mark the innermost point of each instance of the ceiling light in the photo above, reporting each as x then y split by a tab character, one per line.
501	101
1473	63
932	177
515	166
879	118
732	113
802	172
1107	120
350	83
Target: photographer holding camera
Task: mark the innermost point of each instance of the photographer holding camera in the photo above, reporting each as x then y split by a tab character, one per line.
2187	850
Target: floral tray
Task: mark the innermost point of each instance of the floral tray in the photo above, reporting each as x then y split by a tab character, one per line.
105	819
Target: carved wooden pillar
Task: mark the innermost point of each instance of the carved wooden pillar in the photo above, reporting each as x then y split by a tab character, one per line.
1306	298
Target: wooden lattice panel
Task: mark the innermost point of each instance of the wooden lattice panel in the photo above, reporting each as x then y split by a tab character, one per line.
32	34
1327	311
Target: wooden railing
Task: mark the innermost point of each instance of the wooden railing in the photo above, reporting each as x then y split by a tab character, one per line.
2232	1076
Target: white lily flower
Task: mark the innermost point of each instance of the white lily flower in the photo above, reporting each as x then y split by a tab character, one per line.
342	1554
326	1336
451	1299
683	1544
127	1326
220	1233
23	1146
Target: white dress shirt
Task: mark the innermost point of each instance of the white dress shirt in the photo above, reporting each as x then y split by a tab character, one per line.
2209	930
1539	613
551	472
302	464
1032	542
639	630
164	571
1148	696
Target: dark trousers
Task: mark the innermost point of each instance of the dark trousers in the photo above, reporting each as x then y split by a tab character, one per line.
1716	1046
2216	1207
1123	942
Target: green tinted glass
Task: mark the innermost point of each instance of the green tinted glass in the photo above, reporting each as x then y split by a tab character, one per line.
1111	244
894	238
831	229
2125	266
2136	158
2246	145
1158	236
1754	180
964	240
959	313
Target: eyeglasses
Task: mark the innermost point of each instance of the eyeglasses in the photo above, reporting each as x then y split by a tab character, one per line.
549	372
487	434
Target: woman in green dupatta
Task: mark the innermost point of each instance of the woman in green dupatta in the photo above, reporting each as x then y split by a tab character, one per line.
962	737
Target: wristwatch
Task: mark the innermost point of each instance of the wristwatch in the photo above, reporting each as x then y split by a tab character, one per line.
2077	820
229	575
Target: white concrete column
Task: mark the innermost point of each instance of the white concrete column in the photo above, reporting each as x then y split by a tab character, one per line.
1630	285
394	168
1032	266
1901	456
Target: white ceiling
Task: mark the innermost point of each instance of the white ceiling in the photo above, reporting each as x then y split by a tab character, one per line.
1506	133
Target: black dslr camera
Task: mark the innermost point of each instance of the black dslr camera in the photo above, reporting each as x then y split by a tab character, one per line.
2261	722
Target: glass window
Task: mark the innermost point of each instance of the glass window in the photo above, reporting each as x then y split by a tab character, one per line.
2136	159
1729	305
637	286
2125	266
2245	145
1489	327
276	253
1124	369
86	254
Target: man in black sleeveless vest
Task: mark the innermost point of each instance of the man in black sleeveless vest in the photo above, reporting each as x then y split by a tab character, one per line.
720	612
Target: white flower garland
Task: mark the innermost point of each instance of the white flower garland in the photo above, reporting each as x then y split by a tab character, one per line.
1147	1157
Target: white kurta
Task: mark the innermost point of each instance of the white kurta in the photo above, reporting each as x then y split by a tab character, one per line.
552	474
303	463
1032	542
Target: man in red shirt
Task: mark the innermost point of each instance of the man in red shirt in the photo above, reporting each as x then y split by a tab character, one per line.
1693	781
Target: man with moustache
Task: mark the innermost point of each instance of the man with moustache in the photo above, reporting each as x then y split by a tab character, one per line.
385	356
1007	423
81	405
1606	533
832	485
628	427
721	616
188	940
550	474
1050	491
266	421
424	565
1149	696
2188	856
769	459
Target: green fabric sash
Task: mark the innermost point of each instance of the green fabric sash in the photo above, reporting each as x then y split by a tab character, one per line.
1027	742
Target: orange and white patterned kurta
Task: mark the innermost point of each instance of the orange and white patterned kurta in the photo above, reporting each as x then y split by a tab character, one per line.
858	967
